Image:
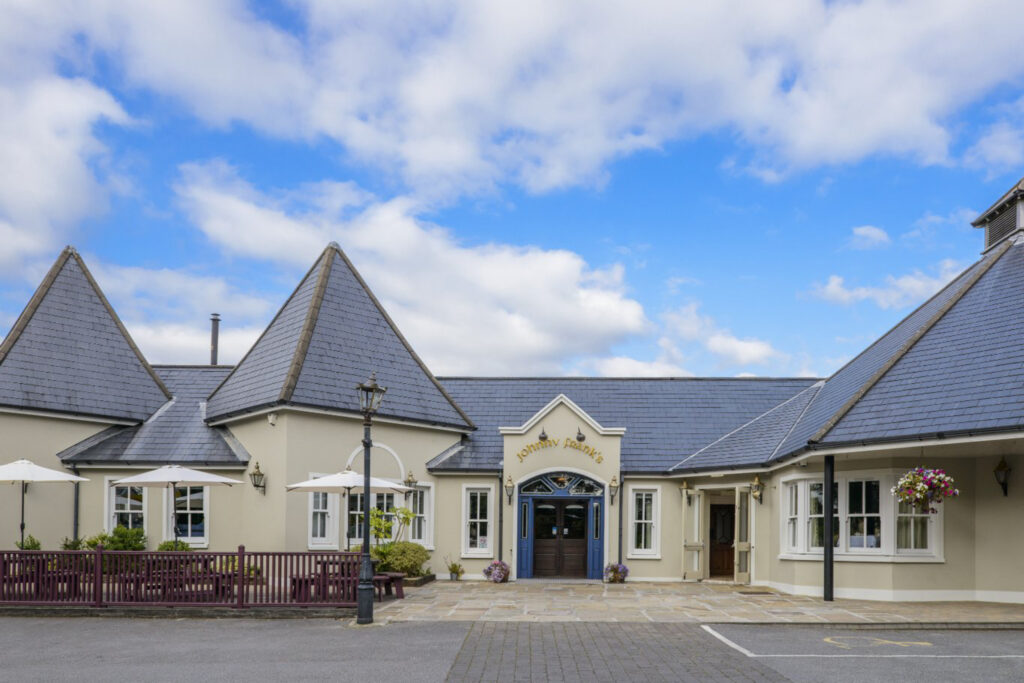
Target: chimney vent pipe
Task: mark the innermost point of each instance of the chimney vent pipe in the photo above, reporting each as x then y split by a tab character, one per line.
214	337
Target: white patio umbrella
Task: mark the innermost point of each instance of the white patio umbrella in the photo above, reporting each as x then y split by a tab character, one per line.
344	482
170	476
27	472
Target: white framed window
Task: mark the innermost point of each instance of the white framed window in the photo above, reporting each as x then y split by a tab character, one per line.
125	506
323	519
644	527
477	516
191	515
913	527
421	503
792	530
868	523
385	502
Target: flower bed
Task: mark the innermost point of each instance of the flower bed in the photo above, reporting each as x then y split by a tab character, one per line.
925	488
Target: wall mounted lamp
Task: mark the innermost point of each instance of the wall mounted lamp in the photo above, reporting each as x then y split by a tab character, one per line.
1002	472
684	489
410	481
272	419
613	488
543	436
258	479
757	489
580	436
510	488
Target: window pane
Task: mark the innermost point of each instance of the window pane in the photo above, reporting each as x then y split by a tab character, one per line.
904	531
483	536
921	533
597	520
524	520
793	500
856	502
817	532
180	499
874	532
905	509
816	500
871	497
483	504
856	532
648	505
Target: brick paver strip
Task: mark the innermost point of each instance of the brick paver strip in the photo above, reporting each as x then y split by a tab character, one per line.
591	651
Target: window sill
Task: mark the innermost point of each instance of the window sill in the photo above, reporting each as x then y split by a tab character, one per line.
644	556
855	557
489	555
312	547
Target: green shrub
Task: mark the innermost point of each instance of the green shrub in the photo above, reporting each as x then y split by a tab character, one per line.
72	544
30	543
172	546
121	539
406	557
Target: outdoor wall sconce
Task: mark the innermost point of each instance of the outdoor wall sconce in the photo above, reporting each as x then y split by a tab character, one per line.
1002	472
272	419
613	488
757	489
580	436
258	479
510	488
543	436
410	481
684	489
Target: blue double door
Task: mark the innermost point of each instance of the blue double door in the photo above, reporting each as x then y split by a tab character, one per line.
560	536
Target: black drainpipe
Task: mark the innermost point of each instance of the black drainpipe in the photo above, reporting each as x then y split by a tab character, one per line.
74	514
501	518
214	337
622	493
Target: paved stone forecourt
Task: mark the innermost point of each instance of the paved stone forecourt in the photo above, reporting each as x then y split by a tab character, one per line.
542	601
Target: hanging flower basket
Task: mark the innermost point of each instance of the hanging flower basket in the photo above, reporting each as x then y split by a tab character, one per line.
925	488
497	572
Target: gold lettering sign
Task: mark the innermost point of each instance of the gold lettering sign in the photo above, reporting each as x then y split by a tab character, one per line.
537	446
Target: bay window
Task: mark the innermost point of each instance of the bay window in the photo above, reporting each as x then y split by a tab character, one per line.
867	522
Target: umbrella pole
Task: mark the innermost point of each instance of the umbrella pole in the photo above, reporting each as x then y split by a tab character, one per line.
174	527
22	545
348	536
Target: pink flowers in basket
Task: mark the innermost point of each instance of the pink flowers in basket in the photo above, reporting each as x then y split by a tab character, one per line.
497	572
925	488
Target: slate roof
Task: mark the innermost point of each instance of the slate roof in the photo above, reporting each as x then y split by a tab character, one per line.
175	434
327	338
68	352
666	419
756	442
953	366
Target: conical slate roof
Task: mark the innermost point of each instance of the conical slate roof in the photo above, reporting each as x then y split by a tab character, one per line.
327	338
69	352
953	366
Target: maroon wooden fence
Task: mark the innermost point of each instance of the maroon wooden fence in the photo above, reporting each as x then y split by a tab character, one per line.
240	579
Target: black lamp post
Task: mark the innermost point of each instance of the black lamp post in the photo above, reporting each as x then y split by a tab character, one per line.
370	396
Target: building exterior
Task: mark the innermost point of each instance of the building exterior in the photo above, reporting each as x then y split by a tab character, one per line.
681	479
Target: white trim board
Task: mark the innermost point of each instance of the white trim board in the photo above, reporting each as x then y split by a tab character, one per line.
901	595
559	400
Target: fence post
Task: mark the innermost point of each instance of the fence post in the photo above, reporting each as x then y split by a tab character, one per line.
242	571
98	577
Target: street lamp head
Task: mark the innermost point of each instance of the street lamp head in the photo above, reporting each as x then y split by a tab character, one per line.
370	395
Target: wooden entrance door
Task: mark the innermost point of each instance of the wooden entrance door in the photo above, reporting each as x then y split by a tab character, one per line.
560	538
722	532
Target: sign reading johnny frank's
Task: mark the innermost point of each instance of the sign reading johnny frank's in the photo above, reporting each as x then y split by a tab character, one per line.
560	443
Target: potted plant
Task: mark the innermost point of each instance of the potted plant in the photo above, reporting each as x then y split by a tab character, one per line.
455	570
924	488
616	573
497	572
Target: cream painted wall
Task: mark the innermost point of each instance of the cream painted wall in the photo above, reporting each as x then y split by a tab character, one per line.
49	508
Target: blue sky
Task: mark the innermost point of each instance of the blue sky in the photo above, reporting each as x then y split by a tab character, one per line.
662	191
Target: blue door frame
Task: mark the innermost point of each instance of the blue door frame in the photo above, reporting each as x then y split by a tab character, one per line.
585	491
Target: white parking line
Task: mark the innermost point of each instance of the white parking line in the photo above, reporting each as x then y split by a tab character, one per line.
739	648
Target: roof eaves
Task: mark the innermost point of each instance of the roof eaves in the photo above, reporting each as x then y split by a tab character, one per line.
401	337
909	344
312	315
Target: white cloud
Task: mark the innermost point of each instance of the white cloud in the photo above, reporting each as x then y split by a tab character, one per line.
162	342
494	308
868	237
897	292
927	228
1000	149
459	96
688	324
48	146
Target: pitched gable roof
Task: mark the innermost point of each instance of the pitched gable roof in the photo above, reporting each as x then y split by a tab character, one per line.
327	338
665	418
175	434
69	352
